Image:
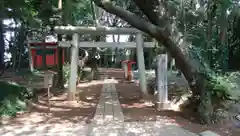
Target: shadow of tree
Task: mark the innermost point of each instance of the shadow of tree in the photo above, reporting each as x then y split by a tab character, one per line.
62	111
135	110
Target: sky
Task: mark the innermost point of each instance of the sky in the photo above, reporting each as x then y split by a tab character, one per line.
7	36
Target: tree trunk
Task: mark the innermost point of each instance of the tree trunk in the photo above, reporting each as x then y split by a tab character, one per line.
14	51
21	48
60	66
211	12
96	17
2	44
65	20
223	38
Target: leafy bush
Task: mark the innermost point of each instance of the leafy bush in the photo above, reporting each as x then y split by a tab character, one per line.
66	72
216	97
13	98
223	86
81	73
150	74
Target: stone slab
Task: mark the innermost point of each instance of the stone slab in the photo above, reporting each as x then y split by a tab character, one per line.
117	112
108	108
139	129
208	133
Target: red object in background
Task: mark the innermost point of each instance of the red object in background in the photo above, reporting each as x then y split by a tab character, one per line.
129	65
51	54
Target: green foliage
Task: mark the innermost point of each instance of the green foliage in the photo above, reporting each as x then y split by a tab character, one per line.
227	86
82	74
220	87
13	98
82	14
216	96
66	72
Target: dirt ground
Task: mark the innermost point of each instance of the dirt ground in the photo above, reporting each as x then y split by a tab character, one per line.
62	111
135	110
82	111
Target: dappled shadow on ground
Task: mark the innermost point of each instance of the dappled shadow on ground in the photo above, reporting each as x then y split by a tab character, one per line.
141	129
62	114
135	110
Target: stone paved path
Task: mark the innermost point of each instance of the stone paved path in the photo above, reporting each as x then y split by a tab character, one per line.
109	119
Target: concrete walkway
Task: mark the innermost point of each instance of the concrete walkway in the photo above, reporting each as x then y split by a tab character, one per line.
109	119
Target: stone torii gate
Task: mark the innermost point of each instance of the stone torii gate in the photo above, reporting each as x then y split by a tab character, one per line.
139	45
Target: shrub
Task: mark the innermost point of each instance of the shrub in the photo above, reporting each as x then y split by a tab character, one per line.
13	98
216	96
82	74
66	72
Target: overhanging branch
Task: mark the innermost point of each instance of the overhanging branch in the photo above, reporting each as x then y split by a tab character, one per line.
151	9
129	17
162	35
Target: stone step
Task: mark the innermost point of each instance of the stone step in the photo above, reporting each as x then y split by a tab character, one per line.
208	133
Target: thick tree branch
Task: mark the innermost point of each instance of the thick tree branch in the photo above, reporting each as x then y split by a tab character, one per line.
129	17
184	62
151	9
161	35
